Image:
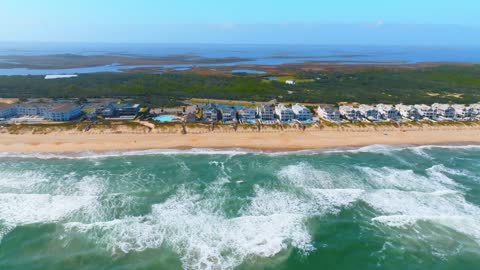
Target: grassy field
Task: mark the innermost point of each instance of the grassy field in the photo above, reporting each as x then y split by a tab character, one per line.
446	83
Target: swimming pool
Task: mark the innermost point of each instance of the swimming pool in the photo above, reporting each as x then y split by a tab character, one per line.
164	118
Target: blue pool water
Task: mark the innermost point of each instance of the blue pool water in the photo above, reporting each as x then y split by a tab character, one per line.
164	118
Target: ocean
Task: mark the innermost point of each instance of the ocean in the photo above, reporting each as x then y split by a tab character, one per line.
376	207
251	54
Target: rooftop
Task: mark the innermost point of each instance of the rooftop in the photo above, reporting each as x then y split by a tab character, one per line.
65	107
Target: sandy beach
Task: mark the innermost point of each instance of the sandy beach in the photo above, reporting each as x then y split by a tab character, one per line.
64	142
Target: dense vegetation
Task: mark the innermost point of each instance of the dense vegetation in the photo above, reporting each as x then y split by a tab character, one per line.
459	84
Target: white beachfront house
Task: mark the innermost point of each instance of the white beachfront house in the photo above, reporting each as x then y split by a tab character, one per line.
389	112
210	114
370	112
301	112
248	114
426	111
284	113
445	110
409	111
291	82
266	113
351	113
228	115
329	113
471	112
7	110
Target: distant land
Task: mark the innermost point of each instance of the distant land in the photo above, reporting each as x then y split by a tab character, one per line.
316	83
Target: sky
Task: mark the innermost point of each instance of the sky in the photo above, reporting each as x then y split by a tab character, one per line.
382	22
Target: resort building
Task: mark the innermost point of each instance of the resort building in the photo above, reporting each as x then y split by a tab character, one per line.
427	111
370	112
301	112
52	111
329	113
7	110
64	112
351	113
228	115
284	113
265	112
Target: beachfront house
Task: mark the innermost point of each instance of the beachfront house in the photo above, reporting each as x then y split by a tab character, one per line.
191	114
370	112
445	110
210	113
329	113
121	109
426	111
290	82
301	112
409	112
228	115
469	112
389	112
284	113
351	113
7	110
248	114
266	113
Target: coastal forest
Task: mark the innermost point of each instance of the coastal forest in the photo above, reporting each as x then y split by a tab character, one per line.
444	83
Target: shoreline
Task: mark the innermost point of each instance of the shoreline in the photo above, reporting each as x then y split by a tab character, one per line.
63	142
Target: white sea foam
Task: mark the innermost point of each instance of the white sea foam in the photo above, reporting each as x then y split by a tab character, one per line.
204	238
229	152
448	208
304	175
391	178
18	209
21	180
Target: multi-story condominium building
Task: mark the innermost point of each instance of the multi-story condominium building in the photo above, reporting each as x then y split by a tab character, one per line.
351	113
266	113
228	114
51	111
329	113
426	111
7	110
64	112
284	113
29	109
301	112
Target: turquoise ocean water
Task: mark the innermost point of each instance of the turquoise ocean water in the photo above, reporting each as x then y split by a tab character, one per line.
376	207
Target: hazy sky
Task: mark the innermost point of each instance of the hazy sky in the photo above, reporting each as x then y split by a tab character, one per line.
443	22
